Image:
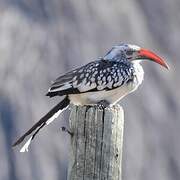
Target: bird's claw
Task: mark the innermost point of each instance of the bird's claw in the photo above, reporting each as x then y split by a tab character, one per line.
103	104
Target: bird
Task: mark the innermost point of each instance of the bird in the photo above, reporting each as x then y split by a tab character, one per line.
104	81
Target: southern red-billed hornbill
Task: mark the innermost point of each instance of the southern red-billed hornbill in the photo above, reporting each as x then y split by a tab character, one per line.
105	80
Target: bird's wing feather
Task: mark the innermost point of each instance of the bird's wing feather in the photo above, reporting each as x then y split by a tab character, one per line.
95	76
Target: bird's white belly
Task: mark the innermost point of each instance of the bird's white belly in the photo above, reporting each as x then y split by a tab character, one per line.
111	96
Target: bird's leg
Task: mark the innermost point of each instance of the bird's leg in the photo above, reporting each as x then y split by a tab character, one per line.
103	104
64	129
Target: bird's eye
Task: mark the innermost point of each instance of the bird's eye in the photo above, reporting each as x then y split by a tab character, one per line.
129	52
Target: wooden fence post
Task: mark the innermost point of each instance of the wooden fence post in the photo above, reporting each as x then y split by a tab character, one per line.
96	144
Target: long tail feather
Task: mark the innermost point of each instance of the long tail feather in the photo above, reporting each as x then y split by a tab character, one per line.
45	120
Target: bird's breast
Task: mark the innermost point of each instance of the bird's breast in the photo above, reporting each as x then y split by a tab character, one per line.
138	73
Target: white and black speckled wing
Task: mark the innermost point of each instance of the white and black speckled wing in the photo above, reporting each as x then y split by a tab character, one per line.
95	76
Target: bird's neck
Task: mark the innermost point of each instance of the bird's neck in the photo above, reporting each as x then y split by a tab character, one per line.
138	70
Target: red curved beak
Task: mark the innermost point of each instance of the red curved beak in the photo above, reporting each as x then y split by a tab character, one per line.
146	54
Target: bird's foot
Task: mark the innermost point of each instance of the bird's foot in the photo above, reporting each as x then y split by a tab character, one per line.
64	129
103	104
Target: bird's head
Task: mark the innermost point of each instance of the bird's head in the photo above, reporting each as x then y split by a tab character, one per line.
133	53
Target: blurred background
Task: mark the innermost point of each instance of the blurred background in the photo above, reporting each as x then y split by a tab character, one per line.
42	39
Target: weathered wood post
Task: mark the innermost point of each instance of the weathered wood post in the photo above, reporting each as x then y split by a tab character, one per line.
96	143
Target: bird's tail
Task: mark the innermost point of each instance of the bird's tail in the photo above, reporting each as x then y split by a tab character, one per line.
45	120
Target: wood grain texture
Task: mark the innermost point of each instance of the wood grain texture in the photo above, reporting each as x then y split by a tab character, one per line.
96	145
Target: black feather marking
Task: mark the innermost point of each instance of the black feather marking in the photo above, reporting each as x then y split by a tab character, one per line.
81	79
